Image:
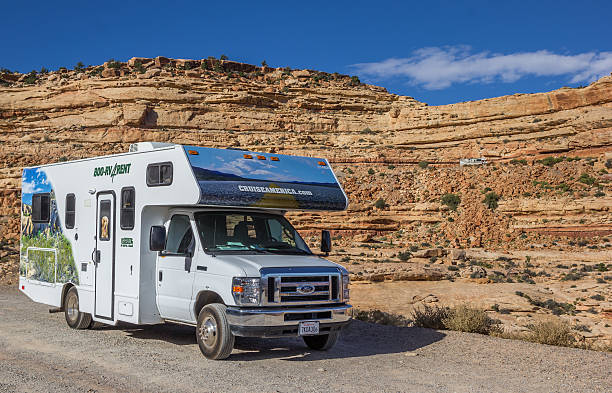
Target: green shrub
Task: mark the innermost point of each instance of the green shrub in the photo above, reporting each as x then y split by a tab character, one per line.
551	161
430	317
380	203
467	319
517	162
223	57
490	200
79	67
404	255
355	81
423	164
587	179
113	64
264	64
380	317
451	200
31	78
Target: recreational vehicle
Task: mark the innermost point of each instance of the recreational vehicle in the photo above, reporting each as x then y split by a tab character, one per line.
185	234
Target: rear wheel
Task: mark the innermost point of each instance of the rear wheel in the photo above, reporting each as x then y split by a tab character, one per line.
321	342
213	332
75	318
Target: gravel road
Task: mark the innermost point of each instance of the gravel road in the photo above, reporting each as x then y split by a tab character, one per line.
39	353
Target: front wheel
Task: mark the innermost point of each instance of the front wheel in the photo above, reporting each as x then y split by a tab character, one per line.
213	332
75	318
321	342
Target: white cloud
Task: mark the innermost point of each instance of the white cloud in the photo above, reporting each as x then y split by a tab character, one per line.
438	68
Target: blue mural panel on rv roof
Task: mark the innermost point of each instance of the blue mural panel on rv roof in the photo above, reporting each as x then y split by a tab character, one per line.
228	178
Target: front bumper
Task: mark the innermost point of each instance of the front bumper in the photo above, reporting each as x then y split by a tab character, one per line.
284	321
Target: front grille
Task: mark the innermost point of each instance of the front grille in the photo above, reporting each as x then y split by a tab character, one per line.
292	288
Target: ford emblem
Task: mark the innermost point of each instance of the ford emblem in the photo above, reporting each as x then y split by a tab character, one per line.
305	289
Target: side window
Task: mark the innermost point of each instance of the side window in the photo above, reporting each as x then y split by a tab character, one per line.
105	220
127	208
41	207
159	174
180	235
70	210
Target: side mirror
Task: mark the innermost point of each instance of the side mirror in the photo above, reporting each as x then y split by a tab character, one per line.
157	238
325	242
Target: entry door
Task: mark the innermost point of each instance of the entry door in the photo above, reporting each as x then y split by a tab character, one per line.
105	256
174	271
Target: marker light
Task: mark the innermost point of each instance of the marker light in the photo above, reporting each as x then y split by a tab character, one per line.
193	152
273	158
246	290
248	156
261	157
322	163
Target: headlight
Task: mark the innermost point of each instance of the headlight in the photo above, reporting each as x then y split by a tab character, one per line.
345	287
246	291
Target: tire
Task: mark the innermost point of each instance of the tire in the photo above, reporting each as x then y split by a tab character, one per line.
321	342
213	333
75	318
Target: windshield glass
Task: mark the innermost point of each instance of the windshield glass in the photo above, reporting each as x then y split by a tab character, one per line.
239	232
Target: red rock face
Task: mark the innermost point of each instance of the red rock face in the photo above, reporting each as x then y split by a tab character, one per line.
374	139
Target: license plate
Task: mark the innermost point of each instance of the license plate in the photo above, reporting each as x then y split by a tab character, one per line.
308	328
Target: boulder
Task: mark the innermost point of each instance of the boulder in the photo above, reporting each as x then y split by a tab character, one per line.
430	252
161	61
457	254
473	272
151	73
142	60
110	73
301	74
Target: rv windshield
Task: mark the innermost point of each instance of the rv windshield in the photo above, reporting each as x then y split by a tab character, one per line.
241	232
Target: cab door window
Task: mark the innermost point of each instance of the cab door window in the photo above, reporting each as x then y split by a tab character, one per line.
180	236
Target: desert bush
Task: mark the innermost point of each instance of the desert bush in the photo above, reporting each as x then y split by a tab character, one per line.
355	81
451	200
380	317
404	255
586	179
518	162
467	319
423	164
79	67
370	171
430	317
555	332
380	203
490	200
551	161
113	64
223	57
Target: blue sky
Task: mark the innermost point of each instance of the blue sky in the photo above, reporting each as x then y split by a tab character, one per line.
34	180
436	51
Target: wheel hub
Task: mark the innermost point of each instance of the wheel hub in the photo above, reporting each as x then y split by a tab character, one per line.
208	332
73	307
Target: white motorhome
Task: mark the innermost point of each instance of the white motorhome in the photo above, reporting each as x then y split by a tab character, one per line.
184	234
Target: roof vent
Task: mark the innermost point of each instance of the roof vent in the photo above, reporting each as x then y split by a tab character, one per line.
146	146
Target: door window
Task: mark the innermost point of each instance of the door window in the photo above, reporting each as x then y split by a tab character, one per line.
180	235
127	208
105	220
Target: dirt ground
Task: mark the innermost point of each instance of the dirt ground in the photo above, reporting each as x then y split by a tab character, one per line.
40	353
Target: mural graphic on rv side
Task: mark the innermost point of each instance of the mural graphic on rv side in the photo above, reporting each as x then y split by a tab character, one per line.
247	179
41	242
